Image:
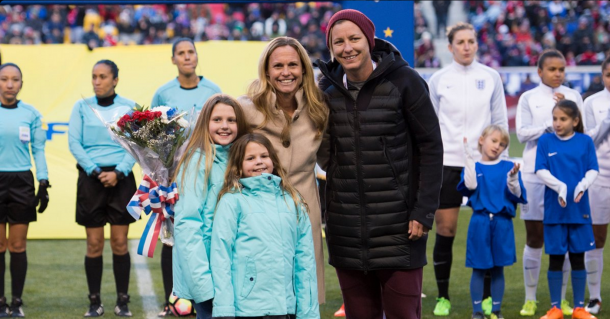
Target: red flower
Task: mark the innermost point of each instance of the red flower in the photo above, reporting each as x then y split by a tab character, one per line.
123	120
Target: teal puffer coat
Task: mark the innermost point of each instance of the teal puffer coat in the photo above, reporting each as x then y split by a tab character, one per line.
194	212
262	253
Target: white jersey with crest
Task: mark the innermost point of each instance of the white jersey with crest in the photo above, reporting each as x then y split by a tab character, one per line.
466	99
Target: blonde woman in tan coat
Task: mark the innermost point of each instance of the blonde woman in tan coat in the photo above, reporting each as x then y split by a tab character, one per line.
286	106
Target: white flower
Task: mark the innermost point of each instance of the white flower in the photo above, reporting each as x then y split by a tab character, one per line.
163	109
182	122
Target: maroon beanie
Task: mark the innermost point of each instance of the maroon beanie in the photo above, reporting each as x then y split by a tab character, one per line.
363	22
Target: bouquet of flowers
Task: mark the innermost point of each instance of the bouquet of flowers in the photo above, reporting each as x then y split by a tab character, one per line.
156	138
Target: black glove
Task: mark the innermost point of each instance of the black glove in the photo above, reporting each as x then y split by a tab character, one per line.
42	197
96	172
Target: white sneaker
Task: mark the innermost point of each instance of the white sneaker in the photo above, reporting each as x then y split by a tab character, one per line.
594	306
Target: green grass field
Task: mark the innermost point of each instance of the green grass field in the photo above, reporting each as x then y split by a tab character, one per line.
56	285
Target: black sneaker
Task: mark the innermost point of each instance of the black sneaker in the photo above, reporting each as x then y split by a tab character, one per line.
4	310
166	312
16	311
478	315
121	308
96	309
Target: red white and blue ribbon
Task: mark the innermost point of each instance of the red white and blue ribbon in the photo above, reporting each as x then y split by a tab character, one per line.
158	199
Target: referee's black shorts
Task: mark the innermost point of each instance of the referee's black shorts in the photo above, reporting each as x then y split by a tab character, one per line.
97	205
17	198
450	197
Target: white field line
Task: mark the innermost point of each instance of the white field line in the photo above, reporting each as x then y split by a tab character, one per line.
144	280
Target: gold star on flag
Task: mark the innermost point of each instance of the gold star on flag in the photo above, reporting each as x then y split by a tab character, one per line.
388	32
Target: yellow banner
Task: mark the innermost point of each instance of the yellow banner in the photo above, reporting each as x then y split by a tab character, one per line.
56	76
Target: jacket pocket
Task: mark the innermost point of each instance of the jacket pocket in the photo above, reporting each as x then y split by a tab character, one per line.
250	278
393	169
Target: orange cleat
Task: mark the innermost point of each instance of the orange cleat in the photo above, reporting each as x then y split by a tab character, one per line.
581	313
341	311
554	313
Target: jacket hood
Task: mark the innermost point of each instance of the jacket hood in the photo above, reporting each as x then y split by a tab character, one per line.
265	182
222	153
385	54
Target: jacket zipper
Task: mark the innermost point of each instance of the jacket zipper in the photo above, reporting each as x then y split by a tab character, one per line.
365	255
385	153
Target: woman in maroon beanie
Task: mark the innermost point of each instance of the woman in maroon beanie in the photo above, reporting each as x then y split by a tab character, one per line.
383	156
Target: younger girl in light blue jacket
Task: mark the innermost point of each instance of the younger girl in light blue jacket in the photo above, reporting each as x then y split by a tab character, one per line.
262	253
200	175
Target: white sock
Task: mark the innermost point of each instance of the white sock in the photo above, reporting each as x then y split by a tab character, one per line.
531	271
566	276
594	262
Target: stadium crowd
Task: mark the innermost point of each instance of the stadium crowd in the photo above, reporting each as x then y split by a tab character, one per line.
111	25
510	33
514	33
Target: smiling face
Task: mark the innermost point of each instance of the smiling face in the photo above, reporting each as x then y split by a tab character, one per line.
10	84
256	160
492	146
464	47
285	70
553	71
351	49
103	80
563	124
185	58
223	124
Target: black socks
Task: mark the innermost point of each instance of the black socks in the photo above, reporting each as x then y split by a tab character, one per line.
443	257
166	270
94	266
19	267
121	265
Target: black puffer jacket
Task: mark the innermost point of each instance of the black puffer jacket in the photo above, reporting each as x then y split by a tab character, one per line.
384	168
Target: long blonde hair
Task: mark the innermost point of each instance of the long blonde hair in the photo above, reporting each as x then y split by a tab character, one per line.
201	138
235	167
260	90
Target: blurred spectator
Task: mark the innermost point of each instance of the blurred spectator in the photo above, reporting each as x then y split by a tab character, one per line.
595	86
527	84
441	8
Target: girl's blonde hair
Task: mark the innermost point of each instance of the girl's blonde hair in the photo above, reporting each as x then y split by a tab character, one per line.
261	90
201	138
495	128
235	167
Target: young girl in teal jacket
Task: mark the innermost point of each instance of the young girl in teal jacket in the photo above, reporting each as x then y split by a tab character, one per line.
262	253
199	176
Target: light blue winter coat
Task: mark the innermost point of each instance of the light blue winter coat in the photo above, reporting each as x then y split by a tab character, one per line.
194	212
262	257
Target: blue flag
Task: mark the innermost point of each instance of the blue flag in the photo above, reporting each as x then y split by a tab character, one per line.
393	22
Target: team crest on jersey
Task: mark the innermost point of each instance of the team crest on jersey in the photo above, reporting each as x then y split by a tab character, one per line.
480	84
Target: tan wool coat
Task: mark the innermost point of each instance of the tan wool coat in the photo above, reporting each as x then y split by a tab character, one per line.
299	160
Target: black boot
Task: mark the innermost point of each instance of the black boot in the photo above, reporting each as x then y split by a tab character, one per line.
121	308
4	310
96	309
16	310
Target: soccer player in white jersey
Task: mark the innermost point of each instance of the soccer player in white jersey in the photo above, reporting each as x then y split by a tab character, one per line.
467	97
534	118
597	125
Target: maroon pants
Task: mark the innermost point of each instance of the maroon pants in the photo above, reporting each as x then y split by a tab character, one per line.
397	293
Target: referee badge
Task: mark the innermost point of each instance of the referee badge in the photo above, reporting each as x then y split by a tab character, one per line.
480	84
24	134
